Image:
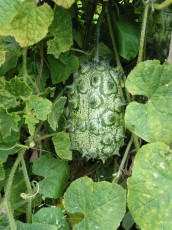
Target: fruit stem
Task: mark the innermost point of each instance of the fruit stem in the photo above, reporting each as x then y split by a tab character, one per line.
121	167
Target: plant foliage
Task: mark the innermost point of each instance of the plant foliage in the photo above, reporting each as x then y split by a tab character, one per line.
45	182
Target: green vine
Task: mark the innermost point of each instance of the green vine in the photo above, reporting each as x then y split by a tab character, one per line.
143	33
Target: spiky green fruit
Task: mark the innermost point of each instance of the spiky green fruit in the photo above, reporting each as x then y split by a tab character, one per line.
95	106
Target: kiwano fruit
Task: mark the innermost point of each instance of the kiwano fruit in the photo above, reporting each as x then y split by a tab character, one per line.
95	111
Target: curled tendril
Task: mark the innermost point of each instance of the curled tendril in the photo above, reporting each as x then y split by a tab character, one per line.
35	186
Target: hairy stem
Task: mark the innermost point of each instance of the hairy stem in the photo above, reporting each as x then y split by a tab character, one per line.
143	33
9	189
121	167
29	189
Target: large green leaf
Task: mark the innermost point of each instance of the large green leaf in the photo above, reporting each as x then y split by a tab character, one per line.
153	120
149	188
65	4
52	216
61	29
102	204
66	65
37	108
57	110
128	38
55	173
62	145
30	24
8	122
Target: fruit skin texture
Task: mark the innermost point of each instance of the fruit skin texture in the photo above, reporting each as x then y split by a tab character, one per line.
95	111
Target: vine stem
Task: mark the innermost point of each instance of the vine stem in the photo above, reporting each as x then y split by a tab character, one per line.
121	167
9	189
143	33
24	65
29	189
114	43
119	66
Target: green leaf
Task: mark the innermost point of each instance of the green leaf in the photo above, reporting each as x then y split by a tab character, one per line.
34	226
40	106
7	100
57	110
8	122
66	4
37	108
2	173
149	188
102	203
51	216
18	88
9	145
127	221
61	29
152	120
13	52
62	145
55	173
8	10
128	38
65	65
30	24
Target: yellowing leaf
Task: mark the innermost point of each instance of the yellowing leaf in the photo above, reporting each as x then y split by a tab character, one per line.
8	10
30	24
